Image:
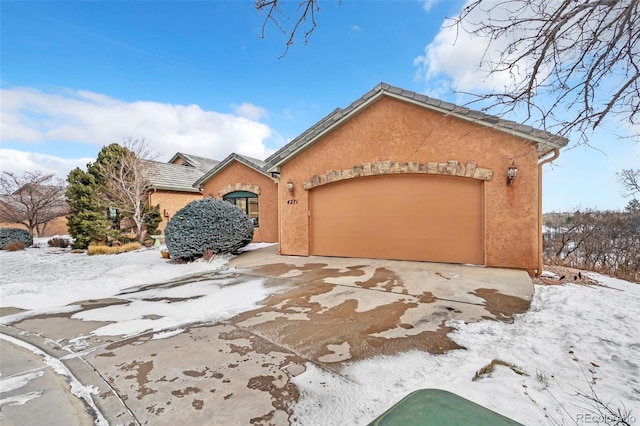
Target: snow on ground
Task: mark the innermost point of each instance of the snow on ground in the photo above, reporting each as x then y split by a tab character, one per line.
56	277
76	388
208	300
569	331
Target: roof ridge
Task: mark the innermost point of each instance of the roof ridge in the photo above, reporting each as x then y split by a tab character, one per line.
244	159
545	140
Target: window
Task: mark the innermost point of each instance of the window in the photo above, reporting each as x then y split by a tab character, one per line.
245	201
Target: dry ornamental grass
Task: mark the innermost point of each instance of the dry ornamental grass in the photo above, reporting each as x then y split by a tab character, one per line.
15	246
113	250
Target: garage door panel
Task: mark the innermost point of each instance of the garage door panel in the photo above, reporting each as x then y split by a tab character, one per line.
414	217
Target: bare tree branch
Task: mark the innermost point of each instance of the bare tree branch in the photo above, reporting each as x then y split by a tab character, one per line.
630	180
33	199
583	54
306	12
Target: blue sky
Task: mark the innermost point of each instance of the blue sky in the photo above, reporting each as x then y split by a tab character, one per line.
195	76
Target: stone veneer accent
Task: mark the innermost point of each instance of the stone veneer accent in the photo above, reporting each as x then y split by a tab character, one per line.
233	187
450	168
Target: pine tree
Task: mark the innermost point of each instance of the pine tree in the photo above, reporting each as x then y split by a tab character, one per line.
116	183
88	219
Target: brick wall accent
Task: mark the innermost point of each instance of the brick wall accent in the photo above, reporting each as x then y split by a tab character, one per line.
450	168
233	187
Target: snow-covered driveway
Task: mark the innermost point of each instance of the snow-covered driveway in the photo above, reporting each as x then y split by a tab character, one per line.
314	341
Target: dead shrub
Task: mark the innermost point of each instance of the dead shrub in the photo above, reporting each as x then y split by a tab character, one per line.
101	249
15	246
488	369
58	242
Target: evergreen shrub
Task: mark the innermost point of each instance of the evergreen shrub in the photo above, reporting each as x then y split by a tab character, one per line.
10	235
207	224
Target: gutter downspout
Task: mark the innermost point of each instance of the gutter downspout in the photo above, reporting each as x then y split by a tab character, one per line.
556	154
280	208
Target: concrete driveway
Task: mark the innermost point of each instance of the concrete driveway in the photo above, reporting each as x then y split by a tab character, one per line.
327	311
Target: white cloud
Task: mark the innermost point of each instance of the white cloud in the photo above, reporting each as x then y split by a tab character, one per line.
356	28
250	111
427	5
463	58
31	116
18	162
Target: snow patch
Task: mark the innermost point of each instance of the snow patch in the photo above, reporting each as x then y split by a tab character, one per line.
571	334
9	384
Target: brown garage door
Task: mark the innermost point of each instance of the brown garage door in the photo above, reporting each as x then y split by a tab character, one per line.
412	217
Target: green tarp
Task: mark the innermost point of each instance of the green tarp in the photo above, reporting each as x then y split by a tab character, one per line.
436	407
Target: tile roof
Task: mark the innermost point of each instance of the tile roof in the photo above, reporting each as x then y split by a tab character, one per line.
174	177
254	163
201	163
546	142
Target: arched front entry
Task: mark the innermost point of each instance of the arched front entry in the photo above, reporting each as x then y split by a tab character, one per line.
247	202
413	217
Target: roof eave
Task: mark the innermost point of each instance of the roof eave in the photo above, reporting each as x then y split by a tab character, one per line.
541	142
174	189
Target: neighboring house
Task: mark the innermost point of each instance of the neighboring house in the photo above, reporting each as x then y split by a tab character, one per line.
39	198
242	181
57	226
399	175
172	183
200	163
172	188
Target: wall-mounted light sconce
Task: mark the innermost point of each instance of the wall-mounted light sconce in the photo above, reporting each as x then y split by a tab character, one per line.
290	186
512	172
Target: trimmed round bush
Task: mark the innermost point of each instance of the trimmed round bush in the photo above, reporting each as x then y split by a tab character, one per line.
14	235
207	224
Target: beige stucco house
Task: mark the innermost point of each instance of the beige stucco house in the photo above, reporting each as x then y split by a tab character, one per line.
242	180
399	175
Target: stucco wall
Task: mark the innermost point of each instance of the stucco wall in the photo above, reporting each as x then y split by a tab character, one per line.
394	130
172	202
238	173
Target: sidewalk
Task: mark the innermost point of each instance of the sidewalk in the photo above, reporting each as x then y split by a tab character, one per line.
31	393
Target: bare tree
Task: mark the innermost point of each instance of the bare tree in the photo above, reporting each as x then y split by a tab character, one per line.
601	241
33	200
127	182
583	54
630	180
306	13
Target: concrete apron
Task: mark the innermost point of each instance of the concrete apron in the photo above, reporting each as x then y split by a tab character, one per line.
329	311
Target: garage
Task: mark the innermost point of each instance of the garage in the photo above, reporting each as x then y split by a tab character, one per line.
400	175
411	216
